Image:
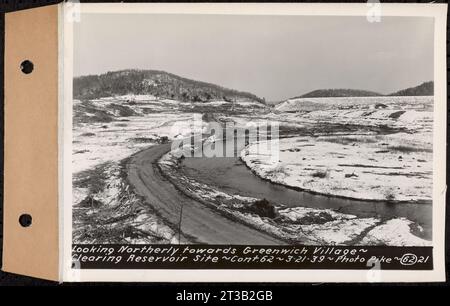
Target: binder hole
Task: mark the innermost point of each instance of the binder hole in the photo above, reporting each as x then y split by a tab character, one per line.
25	220
26	67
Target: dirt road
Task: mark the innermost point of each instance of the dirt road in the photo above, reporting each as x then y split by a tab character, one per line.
199	221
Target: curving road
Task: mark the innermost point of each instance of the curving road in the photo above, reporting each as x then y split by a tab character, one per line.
199	221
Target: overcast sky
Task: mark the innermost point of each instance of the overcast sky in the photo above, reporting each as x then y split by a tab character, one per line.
275	57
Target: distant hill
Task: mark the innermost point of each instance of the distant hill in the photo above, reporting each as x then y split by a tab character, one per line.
153	82
307	102
424	89
325	93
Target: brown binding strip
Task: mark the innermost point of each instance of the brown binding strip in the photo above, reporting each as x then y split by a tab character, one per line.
31	143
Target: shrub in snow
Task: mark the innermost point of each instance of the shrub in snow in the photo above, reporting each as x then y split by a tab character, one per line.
263	208
320	174
163	139
389	194
90	202
353	174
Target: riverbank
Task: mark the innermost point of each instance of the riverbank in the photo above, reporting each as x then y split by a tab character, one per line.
296	225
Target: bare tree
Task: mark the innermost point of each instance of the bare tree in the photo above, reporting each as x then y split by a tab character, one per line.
179	223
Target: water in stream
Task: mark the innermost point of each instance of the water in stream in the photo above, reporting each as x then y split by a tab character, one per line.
231	176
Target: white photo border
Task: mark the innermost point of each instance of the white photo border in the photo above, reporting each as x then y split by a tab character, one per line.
437	11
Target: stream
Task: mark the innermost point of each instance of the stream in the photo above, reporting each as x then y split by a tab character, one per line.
231	175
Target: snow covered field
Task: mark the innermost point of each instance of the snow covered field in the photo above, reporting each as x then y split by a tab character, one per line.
105	133
110	129
375	149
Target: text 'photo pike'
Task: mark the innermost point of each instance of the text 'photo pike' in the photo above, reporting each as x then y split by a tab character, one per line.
197	135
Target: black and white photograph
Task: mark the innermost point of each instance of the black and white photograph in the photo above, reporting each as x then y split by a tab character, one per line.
253	130
217	149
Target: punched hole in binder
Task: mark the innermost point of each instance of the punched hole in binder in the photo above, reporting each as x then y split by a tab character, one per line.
27	67
25	220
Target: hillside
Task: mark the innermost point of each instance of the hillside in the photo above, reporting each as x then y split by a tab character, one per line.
424	89
152	82
325	93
